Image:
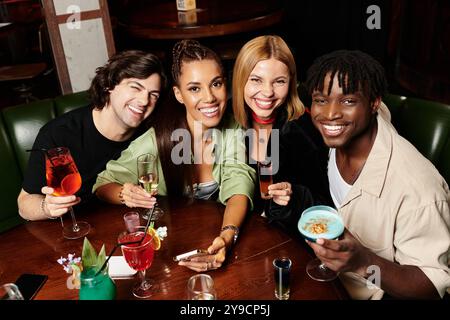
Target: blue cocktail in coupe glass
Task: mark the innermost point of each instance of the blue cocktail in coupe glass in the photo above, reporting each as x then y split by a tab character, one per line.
320	222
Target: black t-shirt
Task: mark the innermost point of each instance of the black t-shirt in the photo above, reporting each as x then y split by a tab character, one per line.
89	148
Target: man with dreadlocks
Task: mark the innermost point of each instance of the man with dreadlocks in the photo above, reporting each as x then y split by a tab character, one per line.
394	203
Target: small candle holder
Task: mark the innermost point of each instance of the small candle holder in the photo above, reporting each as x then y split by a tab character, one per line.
185	5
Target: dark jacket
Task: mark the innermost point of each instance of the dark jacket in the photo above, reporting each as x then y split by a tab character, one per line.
303	163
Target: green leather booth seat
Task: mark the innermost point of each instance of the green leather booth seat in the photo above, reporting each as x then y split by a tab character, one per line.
426	124
19	126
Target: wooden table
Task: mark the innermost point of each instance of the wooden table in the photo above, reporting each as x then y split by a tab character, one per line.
248	273
161	20
21	71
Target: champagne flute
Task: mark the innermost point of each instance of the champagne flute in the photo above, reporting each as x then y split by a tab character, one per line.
148	179
320	222
63	176
139	256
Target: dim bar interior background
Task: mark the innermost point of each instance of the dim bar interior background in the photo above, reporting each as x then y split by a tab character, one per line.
412	42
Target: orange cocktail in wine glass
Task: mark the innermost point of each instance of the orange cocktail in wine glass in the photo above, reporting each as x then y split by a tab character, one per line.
63	176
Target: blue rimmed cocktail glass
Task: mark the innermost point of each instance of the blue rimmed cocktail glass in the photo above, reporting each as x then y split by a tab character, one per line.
320	222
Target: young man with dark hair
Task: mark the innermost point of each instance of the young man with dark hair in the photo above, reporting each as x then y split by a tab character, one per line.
394	202
123	93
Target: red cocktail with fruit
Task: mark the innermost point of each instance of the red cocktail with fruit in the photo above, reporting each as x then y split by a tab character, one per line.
139	256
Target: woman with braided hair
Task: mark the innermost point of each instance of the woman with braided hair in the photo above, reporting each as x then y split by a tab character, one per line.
209	162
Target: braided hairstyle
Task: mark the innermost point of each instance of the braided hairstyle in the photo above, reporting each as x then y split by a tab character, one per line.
355	71
185	51
123	65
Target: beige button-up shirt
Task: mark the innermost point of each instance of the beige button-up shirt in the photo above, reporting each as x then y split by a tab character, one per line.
399	208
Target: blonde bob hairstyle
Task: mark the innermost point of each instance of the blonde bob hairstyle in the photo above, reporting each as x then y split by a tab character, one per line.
257	49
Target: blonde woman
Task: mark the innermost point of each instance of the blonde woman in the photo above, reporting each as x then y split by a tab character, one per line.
265	99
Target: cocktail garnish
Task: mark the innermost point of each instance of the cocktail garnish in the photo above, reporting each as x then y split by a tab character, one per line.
72	264
157	236
316	225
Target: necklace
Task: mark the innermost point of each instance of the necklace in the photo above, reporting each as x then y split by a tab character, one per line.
263	121
265	135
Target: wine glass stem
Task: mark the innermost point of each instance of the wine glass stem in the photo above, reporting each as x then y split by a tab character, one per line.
154	194
75	226
142	279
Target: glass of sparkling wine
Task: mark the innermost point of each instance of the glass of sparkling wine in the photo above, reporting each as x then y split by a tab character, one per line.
201	287
148	179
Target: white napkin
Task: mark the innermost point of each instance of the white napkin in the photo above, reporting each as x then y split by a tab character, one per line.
119	268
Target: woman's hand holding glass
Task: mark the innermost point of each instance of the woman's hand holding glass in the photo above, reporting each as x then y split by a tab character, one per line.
134	196
280	193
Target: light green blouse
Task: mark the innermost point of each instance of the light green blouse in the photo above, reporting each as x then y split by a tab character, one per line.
230	169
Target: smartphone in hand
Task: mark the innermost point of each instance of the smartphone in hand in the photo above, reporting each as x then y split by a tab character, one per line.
191	254
30	284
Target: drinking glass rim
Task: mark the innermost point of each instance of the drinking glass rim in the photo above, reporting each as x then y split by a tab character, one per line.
95	275
201	275
58	148
57	151
140	229
328	210
129	213
10	286
264	163
282	259
321	207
